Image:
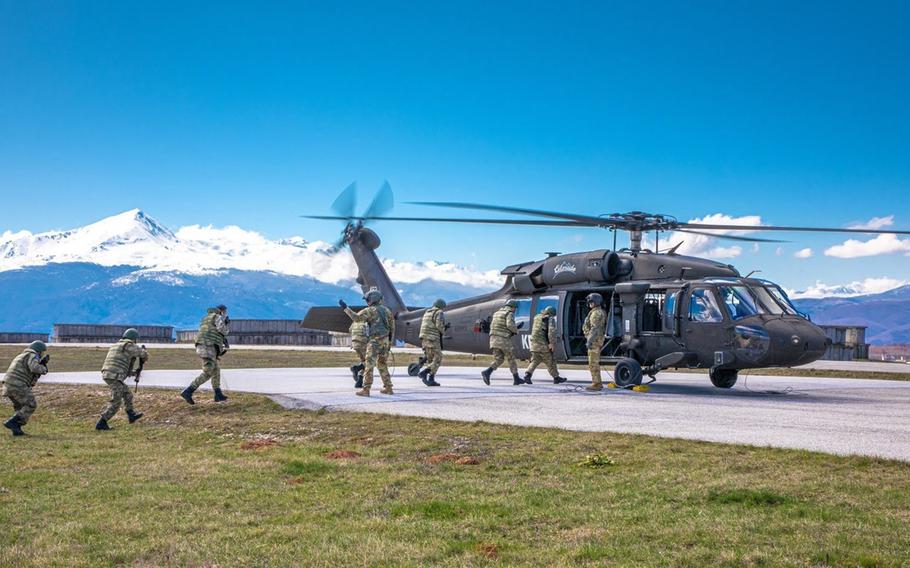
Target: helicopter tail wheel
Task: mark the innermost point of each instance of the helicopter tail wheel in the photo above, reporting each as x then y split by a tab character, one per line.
627	373
723	378
414	368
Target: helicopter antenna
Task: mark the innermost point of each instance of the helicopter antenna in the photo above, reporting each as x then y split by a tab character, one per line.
675	247
756	271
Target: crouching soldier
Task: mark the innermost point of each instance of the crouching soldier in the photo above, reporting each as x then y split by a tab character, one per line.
381	327
543	345
359	341
211	344
432	328
120	364
22	375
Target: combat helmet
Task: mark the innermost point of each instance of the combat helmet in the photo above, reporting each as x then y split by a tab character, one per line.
440	303
132	334
549	310
594	298
38	346
373	297
511	304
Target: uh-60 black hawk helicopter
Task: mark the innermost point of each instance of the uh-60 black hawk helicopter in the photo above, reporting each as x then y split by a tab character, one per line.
665	310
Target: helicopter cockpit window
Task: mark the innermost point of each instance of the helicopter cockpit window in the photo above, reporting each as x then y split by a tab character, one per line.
740	301
703	307
768	301
783	300
669	314
523	314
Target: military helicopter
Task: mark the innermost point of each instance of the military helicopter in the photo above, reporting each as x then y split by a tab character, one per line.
665	310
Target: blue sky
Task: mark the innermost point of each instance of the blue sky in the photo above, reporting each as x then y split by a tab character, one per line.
251	114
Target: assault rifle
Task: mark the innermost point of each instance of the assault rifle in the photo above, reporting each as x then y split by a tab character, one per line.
138	372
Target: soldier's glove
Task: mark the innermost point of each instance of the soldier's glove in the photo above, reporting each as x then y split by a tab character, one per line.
227	320
44	360
447	326
343	304
520	325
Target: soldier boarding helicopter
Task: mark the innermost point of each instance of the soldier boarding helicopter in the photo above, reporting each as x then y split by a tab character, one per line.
664	310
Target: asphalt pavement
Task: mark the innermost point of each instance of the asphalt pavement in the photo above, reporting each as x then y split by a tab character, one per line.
838	416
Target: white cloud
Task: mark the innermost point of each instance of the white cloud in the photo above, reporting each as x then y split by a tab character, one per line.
707	246
779	251
882	244
803	253
856	288
875	223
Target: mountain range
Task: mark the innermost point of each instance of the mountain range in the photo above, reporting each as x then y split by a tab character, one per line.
131	268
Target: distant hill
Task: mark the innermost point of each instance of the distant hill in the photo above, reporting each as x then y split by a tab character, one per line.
887	315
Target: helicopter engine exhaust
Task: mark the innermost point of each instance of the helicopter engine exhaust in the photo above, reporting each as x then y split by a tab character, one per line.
593	266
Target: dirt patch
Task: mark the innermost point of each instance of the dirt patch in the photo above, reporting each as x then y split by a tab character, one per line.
258	444
453	458
297	480
342	455
487	550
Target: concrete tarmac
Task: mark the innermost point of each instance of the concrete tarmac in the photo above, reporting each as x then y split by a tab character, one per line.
838	416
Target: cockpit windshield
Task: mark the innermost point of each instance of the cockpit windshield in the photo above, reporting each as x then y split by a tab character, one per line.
782	299
768	300
740	302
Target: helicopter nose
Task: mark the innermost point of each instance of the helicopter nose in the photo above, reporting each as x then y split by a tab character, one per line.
796	342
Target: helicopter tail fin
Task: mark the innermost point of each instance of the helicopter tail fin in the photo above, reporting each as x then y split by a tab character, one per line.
363	243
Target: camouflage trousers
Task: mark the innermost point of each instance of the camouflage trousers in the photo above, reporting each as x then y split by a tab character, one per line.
360	348
120	395
500	355
23	401
432	350
377	357
211	371
594	361
545	357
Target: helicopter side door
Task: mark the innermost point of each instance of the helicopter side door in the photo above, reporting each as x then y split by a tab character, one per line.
703	325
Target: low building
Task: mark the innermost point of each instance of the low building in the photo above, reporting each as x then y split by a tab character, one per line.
93	333
21	337
848	342
340	339
266	332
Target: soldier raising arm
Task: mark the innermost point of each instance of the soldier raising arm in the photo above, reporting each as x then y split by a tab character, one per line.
381	327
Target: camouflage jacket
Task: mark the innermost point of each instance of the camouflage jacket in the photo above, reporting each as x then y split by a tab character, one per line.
379	319
543	333
595	325
24	370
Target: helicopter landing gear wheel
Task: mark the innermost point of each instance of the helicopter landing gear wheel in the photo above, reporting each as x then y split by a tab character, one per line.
627	373
723	378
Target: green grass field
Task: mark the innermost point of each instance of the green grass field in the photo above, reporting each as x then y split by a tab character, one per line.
250	484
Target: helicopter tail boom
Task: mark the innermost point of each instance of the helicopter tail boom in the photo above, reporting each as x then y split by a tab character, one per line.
363	243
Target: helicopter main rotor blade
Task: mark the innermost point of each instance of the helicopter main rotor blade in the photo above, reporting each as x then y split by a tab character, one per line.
793	229
533	222
731	237
382	203
346	202
585	219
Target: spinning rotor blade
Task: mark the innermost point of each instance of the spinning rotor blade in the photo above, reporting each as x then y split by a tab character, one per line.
584	219
731	237
535	222
346	202
794	229
382	203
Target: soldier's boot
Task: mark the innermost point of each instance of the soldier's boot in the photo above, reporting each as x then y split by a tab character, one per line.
133	416
102	424
594	387
485	375
423	376
363	392
15	426
387	390
527	379
219	396
431	381
187	395
356	371
358	383
516	380
559	380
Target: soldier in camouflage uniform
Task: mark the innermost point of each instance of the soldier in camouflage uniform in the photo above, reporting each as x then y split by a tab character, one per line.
359	342
118	365
432	328
543	345
594	329
211	344
381	327
502	329
22	375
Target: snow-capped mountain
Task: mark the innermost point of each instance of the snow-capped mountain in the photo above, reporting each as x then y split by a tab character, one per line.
135	239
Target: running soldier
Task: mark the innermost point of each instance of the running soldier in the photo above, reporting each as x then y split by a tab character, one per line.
543	345
18	382
381	327
211	344
502	329
432	328
118	365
